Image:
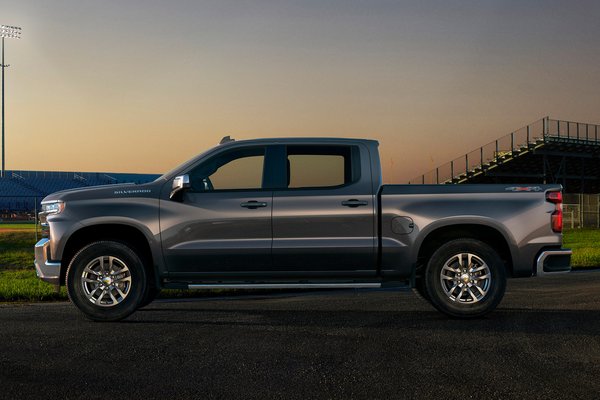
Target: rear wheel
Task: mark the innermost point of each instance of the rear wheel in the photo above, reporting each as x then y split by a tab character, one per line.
465	278
106	281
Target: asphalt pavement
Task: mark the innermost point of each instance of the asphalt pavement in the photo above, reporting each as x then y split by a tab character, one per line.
543	342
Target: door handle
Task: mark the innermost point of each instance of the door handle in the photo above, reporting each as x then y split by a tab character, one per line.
253	204
354	203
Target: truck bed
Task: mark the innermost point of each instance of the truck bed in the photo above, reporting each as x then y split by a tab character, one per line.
411	213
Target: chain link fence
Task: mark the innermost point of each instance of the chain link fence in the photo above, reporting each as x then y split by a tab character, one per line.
581	211
18	212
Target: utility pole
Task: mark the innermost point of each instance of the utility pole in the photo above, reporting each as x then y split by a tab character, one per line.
6	32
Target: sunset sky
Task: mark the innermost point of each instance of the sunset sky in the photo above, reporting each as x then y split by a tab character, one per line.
140	86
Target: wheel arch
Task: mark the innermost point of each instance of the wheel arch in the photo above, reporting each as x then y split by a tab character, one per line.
117	232
489	235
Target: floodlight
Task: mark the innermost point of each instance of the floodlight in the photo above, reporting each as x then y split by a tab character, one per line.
6	32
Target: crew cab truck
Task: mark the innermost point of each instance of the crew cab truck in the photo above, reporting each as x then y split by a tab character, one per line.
296	213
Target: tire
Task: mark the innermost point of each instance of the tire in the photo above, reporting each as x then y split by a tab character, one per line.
149	296
420	289
465	278
106	281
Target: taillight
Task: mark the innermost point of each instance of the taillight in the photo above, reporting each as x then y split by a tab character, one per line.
554	197
557	216
557	221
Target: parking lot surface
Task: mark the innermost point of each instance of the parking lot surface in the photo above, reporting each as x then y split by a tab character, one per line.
542	342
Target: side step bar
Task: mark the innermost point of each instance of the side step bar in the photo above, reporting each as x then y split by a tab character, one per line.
284	285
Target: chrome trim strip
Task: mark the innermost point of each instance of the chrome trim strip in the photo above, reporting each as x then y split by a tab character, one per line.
546	254
283	285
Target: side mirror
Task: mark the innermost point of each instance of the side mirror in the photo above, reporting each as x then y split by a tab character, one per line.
180	183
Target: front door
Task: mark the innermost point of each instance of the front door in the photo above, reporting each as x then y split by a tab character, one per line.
222	225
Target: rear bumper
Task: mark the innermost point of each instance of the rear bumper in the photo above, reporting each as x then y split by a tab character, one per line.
46	270
554	262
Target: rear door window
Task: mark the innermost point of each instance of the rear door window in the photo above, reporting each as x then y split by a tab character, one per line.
321	166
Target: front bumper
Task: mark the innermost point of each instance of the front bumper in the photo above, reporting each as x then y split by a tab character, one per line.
46	270
554	262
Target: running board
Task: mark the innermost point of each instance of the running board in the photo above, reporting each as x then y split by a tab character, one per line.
284	285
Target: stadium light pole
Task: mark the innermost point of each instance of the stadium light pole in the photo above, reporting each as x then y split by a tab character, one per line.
6	32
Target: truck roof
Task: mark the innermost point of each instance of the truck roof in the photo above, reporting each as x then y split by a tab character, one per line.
307	140
229	142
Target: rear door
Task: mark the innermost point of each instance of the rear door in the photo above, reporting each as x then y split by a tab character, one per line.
324	213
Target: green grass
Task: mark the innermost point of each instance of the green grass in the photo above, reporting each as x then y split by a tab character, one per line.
18	225
19	283
16	249
586	247
23	285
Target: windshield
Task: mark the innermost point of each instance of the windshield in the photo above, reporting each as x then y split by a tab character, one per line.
183	166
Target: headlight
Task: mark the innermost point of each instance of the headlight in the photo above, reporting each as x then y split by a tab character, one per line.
49	208
52	207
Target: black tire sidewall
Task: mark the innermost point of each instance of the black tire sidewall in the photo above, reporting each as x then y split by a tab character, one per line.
149	296
421	289
75	288
438	297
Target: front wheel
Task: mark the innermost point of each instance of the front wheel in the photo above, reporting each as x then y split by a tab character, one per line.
465	278
106	281
149	296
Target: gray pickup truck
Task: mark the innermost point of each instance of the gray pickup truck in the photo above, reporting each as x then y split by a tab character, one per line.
296	213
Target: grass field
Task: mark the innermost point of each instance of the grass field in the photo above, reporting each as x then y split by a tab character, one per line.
16	249
19	283
17	225
586	247
23	285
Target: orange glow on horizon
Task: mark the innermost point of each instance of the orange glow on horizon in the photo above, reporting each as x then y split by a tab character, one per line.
94	88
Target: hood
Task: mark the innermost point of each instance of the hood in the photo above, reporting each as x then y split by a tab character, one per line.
106	191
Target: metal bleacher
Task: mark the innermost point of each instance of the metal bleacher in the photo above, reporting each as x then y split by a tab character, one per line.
546	151
16	196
